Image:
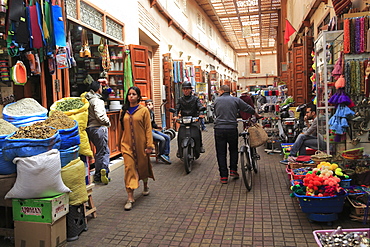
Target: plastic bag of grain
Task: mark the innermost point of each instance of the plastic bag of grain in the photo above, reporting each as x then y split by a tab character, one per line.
6	128
24	112
80	115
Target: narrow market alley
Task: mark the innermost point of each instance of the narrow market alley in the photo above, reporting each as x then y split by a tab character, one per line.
197	210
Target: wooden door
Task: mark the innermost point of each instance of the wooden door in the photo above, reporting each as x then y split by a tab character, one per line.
308	44
141	70
169	88
198	73
300	88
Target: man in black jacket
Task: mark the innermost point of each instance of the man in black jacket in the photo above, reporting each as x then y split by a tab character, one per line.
189	105
226	130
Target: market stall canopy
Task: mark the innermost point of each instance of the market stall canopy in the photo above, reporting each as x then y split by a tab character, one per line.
249	26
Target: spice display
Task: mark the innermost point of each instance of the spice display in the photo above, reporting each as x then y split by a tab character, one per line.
24	107
69	104
6	128
36	131
59	120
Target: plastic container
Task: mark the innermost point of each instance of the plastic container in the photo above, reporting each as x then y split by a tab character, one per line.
76	222
345	183
367	230
321	205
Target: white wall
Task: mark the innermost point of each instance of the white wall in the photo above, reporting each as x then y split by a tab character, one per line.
268	66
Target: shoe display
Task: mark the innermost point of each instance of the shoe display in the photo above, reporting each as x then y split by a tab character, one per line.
224	180
292	159
145	191
234	174
103	176
202	149
165	158
284	162
129	204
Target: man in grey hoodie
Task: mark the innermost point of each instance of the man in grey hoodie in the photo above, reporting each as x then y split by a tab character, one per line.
97	130
226	130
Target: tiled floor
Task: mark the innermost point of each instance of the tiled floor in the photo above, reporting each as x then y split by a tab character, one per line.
196	210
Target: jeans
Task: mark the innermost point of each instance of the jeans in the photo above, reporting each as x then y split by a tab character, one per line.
164	142
304	141
202	125
99	137
222	138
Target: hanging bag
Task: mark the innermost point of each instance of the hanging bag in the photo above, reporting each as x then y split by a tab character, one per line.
257	135
37	38
58	24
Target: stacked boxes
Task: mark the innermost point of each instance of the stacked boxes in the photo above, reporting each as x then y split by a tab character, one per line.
41	222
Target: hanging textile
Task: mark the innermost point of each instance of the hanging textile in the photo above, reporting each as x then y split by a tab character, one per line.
35	23
346	36
58	25
128	81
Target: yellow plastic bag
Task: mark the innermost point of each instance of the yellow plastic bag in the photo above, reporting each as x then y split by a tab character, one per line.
81	116
73	176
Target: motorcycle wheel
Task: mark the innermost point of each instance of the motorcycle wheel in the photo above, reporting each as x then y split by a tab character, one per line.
169	133
188	160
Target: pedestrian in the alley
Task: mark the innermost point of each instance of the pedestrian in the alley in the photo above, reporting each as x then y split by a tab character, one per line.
163	139
226	131
136	144
97	130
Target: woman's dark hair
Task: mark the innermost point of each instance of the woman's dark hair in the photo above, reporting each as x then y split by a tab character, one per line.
126	104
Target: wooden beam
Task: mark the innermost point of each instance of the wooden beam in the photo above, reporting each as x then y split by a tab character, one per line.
170	22
306	23
249	13
152	3
197	45
184	35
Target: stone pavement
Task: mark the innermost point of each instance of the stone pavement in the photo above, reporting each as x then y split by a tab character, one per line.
197	210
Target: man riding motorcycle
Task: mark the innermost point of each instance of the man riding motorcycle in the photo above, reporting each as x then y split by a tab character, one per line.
189	105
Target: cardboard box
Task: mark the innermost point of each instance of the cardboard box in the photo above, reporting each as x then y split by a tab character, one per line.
7	182
45	210
36	234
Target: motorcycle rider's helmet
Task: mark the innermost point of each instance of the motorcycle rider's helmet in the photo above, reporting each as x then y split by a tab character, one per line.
187	84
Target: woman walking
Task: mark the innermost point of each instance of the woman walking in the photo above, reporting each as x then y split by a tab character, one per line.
136	144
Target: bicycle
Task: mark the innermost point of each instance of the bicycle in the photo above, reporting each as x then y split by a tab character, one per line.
248	157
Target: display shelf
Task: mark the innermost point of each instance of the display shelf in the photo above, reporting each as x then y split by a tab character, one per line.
327	50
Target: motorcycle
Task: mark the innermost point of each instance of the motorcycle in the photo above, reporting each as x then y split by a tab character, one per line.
287	125
302	113
188	140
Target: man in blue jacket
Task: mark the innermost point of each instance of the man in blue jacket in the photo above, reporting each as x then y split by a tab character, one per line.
226	109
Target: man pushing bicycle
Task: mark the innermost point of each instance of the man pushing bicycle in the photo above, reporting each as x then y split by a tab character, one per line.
226	108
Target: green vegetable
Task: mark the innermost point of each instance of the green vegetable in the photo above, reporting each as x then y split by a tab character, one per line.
69	104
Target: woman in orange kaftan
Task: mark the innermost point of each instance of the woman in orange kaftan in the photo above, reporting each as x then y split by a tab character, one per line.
136	144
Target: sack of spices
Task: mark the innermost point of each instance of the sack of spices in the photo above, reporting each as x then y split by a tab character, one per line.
6	128
24	112
29	141
76	108
67	127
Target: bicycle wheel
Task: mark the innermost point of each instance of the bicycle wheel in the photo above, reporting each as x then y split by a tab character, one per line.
254	159
246	169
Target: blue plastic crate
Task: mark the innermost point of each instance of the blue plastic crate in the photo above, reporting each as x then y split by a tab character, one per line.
321	205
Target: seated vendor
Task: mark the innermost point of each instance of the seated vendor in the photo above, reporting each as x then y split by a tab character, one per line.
309	138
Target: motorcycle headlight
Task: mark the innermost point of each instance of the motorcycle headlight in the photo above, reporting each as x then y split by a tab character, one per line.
187	119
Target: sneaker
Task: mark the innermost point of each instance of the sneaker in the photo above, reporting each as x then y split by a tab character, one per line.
165	158
145	192
103	176
202	149
234	174
224	180
292	159
284	162
128	205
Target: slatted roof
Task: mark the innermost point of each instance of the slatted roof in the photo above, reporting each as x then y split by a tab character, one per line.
249	26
